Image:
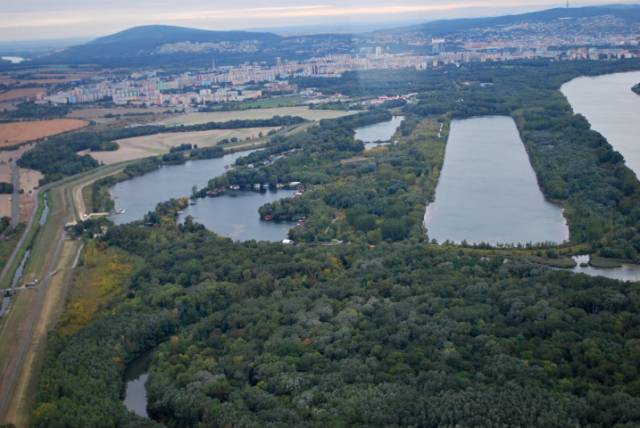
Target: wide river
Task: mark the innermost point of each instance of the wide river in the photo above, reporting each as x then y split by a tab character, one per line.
488	190
232	215
613	110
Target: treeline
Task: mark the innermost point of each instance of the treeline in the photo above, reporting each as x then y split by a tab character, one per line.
319	145
57	157
33	111
261	334
6	188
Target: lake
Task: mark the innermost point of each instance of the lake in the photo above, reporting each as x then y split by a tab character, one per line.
141	194
382	131
135	377
234	214
488	190
627	272
612	109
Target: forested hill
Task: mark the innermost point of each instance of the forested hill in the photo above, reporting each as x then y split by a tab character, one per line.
159	45
628	13
145	43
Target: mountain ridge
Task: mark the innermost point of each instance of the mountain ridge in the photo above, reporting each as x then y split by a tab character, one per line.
155	45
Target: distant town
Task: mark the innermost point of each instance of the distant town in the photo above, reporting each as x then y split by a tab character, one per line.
220	84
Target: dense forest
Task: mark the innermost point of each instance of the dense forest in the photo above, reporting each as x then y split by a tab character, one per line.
260	334
364	322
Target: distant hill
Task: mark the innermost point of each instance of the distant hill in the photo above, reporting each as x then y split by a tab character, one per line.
154	43
630	13
162	45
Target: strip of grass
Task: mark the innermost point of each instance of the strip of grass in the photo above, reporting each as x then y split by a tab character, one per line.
604	263
559	262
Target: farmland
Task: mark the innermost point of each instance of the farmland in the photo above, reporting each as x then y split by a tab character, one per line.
157	144
19	132
20	93
266	113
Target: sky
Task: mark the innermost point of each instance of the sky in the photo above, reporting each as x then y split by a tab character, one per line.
55	19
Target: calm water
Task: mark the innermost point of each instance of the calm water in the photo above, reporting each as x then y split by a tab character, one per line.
232	215
45	211
141	194
612	109
382	131
235	215
625	273
135	397
488	190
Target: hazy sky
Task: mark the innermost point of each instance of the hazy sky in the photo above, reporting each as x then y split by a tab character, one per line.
38	19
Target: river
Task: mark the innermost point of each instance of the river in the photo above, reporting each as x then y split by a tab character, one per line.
488	190
373	135
612	109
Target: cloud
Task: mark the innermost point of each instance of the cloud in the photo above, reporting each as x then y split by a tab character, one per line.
71	18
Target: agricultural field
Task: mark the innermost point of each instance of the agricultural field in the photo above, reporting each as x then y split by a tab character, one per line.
19	132
261	113
29	183
20	93
97	113
158	144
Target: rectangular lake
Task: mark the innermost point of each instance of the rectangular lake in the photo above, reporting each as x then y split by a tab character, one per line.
488	190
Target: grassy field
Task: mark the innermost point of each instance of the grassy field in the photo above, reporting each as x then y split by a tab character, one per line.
19	93
260	113
19	132
103	274
158	144
8	242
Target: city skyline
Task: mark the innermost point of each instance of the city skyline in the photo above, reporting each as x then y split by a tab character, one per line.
39	19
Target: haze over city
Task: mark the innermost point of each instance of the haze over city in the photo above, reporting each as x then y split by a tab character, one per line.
42	19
